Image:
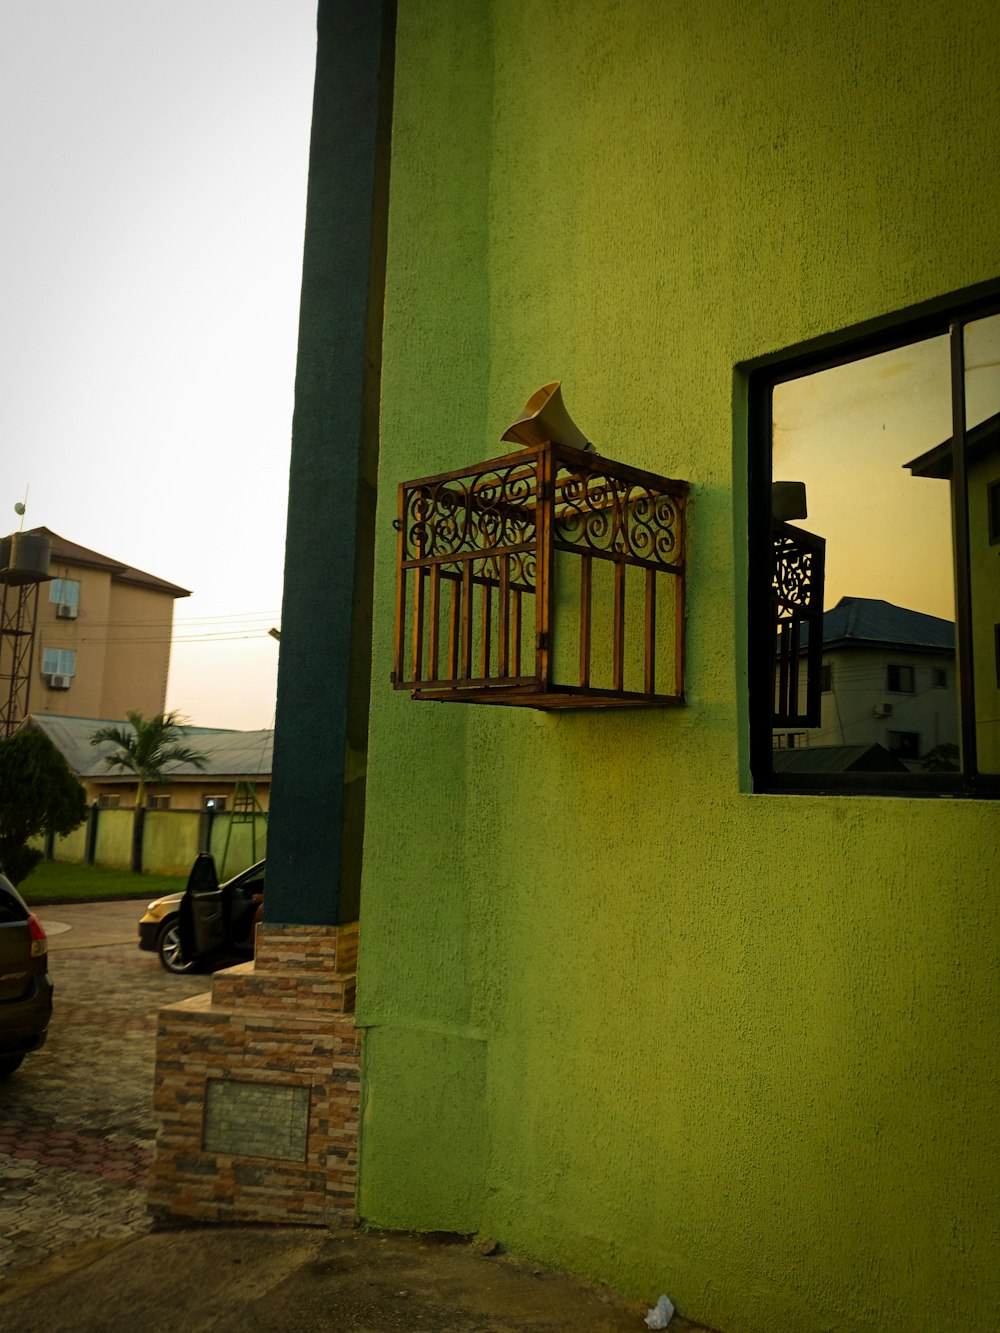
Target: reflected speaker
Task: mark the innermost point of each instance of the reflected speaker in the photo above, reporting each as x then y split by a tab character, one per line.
788	500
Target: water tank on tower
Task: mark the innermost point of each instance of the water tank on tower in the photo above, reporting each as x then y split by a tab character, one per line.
24	567
25	557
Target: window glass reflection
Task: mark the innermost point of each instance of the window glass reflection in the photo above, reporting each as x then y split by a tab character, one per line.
851	434
982	462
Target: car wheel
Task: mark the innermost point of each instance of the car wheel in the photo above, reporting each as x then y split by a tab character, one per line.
168	948
8	1063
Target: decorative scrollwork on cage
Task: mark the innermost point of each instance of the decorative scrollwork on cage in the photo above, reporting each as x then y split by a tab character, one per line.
602	513
797	585
482	511
794	574
551	578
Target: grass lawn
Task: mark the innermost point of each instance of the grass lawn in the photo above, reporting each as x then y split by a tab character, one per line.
60	882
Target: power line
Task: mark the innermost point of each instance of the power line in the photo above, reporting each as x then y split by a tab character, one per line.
232	636
248	617
228	628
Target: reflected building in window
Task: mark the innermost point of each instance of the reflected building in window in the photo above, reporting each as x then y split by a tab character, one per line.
888	680
982	473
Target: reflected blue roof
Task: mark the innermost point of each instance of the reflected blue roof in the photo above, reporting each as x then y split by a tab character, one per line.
871	758
868	622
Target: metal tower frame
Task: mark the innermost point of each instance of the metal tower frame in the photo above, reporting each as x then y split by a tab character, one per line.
18	616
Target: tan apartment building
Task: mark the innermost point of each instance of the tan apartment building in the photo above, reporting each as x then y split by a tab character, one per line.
102	637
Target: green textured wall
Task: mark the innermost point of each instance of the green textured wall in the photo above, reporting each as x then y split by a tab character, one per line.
247	843
72	847
114	839
170	841
620	1013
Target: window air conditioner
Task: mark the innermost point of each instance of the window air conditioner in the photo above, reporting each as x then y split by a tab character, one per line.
883	710
59	682
66	611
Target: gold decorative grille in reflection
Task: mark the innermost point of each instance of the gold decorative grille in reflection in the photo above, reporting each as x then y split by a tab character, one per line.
549	578
797	601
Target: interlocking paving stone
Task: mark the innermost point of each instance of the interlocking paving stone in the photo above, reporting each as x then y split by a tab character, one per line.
76	1121
79	1112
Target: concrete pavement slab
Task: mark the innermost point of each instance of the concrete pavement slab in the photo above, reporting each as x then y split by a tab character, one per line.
294	1280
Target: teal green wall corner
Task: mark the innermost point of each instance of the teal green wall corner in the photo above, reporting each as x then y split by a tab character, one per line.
683	1038
320	744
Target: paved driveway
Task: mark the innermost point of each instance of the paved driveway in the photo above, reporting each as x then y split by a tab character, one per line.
76	1120
77	1253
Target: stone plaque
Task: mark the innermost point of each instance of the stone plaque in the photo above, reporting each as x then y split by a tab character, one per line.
256	1119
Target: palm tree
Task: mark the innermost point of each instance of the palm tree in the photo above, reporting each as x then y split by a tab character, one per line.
146	746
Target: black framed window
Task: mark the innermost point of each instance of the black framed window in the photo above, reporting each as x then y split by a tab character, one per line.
873	507
790	740
899	678
904	744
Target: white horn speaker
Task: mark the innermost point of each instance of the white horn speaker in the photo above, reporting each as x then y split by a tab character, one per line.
545	418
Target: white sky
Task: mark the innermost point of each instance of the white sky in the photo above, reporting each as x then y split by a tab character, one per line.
153	159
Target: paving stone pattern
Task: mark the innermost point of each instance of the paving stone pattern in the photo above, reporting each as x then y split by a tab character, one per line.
77	1251
76	1120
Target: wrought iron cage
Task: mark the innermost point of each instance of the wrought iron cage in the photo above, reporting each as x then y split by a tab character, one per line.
549	578
797	609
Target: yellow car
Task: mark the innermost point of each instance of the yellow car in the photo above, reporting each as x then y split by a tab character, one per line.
158	931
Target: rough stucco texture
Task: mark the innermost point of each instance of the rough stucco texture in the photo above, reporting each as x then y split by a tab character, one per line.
620	1013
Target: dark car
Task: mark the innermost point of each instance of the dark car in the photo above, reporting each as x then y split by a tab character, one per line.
25	984
220	918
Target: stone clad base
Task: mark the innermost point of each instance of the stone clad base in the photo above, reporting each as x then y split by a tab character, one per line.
258	1087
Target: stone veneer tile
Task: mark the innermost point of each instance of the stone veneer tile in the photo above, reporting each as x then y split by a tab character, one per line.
278	1020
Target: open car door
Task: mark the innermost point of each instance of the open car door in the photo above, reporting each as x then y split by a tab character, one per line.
202	917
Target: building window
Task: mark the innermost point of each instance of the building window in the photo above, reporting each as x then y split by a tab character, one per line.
899	679
215	803
59	662
790	740
904	744
65	593
108	802
873	501
158	803
993	511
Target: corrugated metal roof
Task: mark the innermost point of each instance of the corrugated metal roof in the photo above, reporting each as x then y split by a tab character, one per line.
872	758
867	622
239	754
